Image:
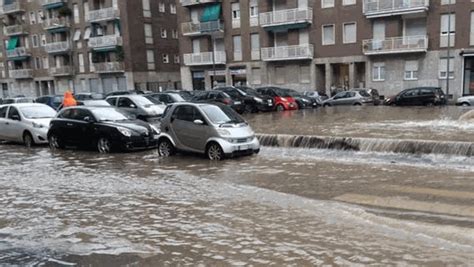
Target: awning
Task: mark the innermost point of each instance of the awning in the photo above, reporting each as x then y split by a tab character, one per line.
12	43
211	13
54	5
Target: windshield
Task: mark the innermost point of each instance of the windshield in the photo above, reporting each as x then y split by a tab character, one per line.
220	115
37	112
282	93
153	100
186	95
248	91
364	93
109	114
142	101
178	97
294	93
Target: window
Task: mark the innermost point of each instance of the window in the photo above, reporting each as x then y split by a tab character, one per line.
411	70
161	7
146	8
237	44
43	39
448	2
124	102
472	29
280	73
3	112
148	33
38	64
166	58
174	34
34	40
256	76
75	8
150	59
172	8
164	34
327	3
255	44
378	72
305	74
40	15
349	33
236	10
32	17
443	68
448	28
80	57
87	33
328	35
45	62
176	59
13	112
253	10
348	2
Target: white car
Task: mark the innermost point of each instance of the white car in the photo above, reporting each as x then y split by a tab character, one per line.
465	101
26	123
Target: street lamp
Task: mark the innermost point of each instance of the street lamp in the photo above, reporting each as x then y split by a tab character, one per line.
449	49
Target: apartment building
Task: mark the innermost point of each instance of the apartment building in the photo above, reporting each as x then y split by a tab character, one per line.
49	46
389	45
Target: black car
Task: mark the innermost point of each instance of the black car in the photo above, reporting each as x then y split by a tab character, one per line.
103	128
421	96
54	101
187	95
302	100
88	96
215	96
253	101
167	97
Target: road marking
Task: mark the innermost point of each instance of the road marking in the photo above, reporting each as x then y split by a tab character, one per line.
430	191
406	204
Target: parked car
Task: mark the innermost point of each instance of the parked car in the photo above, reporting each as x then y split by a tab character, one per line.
281	98
25	123
93	103
138	106
88	96
187	95
264	103
167	97
54	101
421	96
220	97
14	100
465	101
375	96
106	129
126	92
352	98
215	130
316	96
302	100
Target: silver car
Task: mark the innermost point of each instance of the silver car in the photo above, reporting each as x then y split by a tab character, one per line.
25	123
350	98
137	105
465	101
211	129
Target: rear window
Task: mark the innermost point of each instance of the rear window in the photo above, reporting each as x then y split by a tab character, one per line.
364	93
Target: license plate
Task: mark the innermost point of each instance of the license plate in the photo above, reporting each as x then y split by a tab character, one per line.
244	147
156	136
237	102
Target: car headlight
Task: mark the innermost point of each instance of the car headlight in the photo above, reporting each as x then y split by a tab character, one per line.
258	99
124	131
37	125
154	128
223	132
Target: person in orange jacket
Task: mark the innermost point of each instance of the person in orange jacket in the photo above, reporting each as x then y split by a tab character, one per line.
69	100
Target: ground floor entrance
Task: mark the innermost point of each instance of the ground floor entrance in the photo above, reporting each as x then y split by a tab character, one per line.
468	88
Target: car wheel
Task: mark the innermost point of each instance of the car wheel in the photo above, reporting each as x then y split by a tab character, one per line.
215	152
104	145
256	151
357	104
165	148
429	104
28	140
248	109
465	104
326	105
280	108
54	142
393	104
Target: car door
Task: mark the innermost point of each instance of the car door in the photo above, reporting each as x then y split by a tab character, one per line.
338	99
126	104
409	98
83	127
184	128
3	122
15	125
70	127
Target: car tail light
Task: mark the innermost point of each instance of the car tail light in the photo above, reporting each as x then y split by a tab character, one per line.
226	101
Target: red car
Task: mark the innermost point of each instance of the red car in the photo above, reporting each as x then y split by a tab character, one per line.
282	99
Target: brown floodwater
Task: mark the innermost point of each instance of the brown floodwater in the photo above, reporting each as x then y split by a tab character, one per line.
285	206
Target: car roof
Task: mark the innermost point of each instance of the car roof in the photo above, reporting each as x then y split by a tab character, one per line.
19	105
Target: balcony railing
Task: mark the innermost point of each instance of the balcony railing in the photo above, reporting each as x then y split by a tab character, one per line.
103	14
57	47
60	71
52	3
406	44
196	2
294	17
107	41
21	74
12	8
201	28
56	23
205	58
109	67
293	52
15	30
380	8
19	52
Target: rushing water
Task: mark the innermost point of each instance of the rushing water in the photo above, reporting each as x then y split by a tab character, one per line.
285	206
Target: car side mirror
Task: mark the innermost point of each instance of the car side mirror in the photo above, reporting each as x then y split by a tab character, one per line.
88	119
16	117
198	122
132	106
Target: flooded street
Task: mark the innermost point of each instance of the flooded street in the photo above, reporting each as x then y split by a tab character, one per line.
289	205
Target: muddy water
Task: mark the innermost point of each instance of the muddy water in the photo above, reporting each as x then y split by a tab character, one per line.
285	206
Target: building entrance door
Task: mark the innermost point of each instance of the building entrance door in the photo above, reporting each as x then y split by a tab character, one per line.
468	76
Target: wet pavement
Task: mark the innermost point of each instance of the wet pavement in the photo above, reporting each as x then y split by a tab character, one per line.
285	206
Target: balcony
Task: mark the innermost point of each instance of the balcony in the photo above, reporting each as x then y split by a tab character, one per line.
14	30
197	2
283	20
56	24
109	67
21	74
382	8
396	45
205	58
57	47
50	4
294	52
201	28
60	71
104	14
12	8
105	43
19	53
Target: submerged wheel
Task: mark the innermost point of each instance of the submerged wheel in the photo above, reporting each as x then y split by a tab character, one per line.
280	107
104	145
357	104
165	148
55	142
465	104
215	152
28	140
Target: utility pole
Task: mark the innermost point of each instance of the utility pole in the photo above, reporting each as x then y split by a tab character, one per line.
448	67
213	59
